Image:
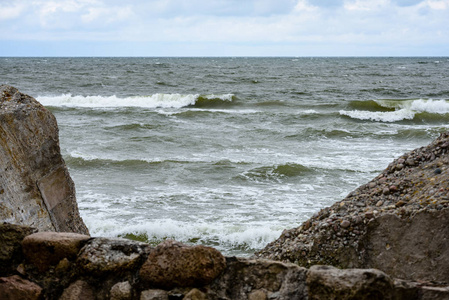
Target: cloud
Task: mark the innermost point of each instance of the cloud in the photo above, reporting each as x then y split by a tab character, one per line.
406	2
220	8
68	14
437	5
11	10
107	15
363	5
380	24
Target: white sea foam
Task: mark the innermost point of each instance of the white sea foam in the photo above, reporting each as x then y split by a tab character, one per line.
224	97
405	110
418	105
254	237
431	106
84	156
390	116
152	101
309	112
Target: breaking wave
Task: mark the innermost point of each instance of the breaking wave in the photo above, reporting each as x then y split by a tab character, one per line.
152	101
234	239
276	172
426	110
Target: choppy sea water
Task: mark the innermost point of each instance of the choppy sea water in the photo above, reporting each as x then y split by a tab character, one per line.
228	152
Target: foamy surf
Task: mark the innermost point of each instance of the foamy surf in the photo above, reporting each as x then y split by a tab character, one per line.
236	240
152	101
378	116
403	110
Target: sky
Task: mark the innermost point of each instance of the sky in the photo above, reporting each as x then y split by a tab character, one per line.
224	28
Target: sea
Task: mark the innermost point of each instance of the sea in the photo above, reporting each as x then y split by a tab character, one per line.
228	152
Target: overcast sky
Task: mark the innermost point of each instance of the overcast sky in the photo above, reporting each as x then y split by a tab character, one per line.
224	28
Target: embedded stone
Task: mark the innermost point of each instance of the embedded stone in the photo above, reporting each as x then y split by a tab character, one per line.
15	287
154	295
369	215
102	255
45	249
345	224
121	291
257	295
195	294
410	162
393	189
173	264
79	290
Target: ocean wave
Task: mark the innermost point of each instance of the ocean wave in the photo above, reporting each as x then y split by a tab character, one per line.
212	111
388	110
151	101
272	103
275	172
234	239
214	101
394	116
81	160
371	105
90	161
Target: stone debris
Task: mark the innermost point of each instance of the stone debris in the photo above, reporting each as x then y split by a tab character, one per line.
123	269
118	269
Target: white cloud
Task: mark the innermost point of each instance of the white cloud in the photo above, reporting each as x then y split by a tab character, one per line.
8	12
438	5
363	5
327	23
54	7
304	6
107	14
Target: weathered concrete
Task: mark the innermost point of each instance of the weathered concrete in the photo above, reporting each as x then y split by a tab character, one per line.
326	282
412	248
397	223
35	186
259	278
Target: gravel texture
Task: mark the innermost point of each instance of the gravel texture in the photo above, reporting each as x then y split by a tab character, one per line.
414	183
